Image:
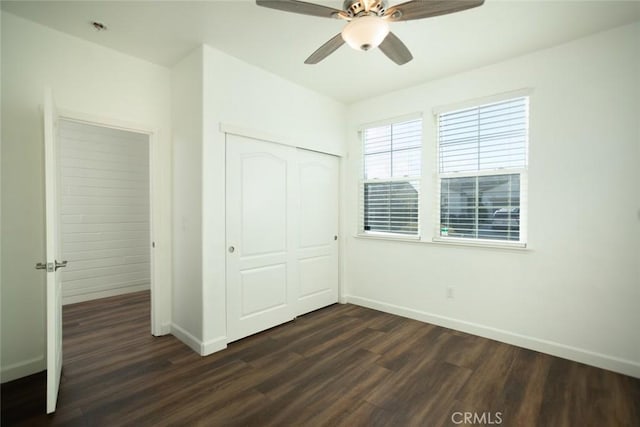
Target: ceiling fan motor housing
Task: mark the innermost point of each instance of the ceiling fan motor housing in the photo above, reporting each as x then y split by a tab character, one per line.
355	8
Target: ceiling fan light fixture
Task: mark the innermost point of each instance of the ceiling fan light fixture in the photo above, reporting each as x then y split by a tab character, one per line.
365	32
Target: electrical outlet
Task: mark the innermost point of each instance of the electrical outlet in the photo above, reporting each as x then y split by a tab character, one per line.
449	292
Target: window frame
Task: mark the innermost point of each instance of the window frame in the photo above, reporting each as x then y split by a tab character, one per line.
521	171
362	181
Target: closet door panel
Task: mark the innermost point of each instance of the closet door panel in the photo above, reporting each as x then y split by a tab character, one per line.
260	266
317	248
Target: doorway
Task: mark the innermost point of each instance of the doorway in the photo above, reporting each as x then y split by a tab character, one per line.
104	210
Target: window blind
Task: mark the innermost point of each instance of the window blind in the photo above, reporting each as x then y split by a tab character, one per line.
486	137
482	154
391	178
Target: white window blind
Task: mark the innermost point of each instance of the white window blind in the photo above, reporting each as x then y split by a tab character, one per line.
482	154
390	186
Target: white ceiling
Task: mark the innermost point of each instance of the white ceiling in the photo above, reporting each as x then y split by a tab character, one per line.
164	31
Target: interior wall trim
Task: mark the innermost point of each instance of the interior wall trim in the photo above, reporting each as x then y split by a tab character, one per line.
212	346
265	136
74	299
22	369
192	342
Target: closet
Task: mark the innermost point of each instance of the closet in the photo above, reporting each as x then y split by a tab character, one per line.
282	233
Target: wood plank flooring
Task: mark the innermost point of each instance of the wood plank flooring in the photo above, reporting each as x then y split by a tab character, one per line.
340	366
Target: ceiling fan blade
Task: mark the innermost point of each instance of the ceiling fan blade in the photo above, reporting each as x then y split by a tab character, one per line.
418	9
326	49
395	50
301	7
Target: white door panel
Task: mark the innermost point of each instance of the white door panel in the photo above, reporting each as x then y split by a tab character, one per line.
53	282
260	267
264	204
317	251
316	190
263	289
315	276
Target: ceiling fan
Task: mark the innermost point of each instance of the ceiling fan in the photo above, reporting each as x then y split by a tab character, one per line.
368	22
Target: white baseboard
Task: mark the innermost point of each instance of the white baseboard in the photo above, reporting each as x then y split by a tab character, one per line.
73	299
213	345
22	369
612	363
164	329
192	342
202	348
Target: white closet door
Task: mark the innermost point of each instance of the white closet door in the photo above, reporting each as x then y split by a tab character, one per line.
261	228
317	245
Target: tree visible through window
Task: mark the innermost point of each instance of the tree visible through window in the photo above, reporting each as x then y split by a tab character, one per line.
482	154
390	186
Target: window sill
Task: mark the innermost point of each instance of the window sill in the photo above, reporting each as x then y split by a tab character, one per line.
451	241
388	236
479	243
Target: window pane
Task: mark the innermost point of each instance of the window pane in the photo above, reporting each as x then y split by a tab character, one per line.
377	139
484	207
492	136
377	166
499	208
407	135
458	207
391	207
406	163
459	157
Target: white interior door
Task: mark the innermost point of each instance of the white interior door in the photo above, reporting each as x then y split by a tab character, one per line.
53	283
317	245
260	235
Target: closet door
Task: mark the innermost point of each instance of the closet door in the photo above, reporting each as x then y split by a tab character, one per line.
261	227
317	244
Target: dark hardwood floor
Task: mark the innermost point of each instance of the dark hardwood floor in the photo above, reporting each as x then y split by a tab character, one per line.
340	366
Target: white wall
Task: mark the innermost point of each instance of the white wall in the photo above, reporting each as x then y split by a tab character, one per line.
104	211
248	100
87	79
186	97
575	291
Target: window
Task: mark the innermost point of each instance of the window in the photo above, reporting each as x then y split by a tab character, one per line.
482	163
390	185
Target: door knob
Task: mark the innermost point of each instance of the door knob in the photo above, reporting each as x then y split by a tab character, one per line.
231	249
50	266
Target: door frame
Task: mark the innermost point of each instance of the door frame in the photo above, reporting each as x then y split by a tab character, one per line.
152	134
